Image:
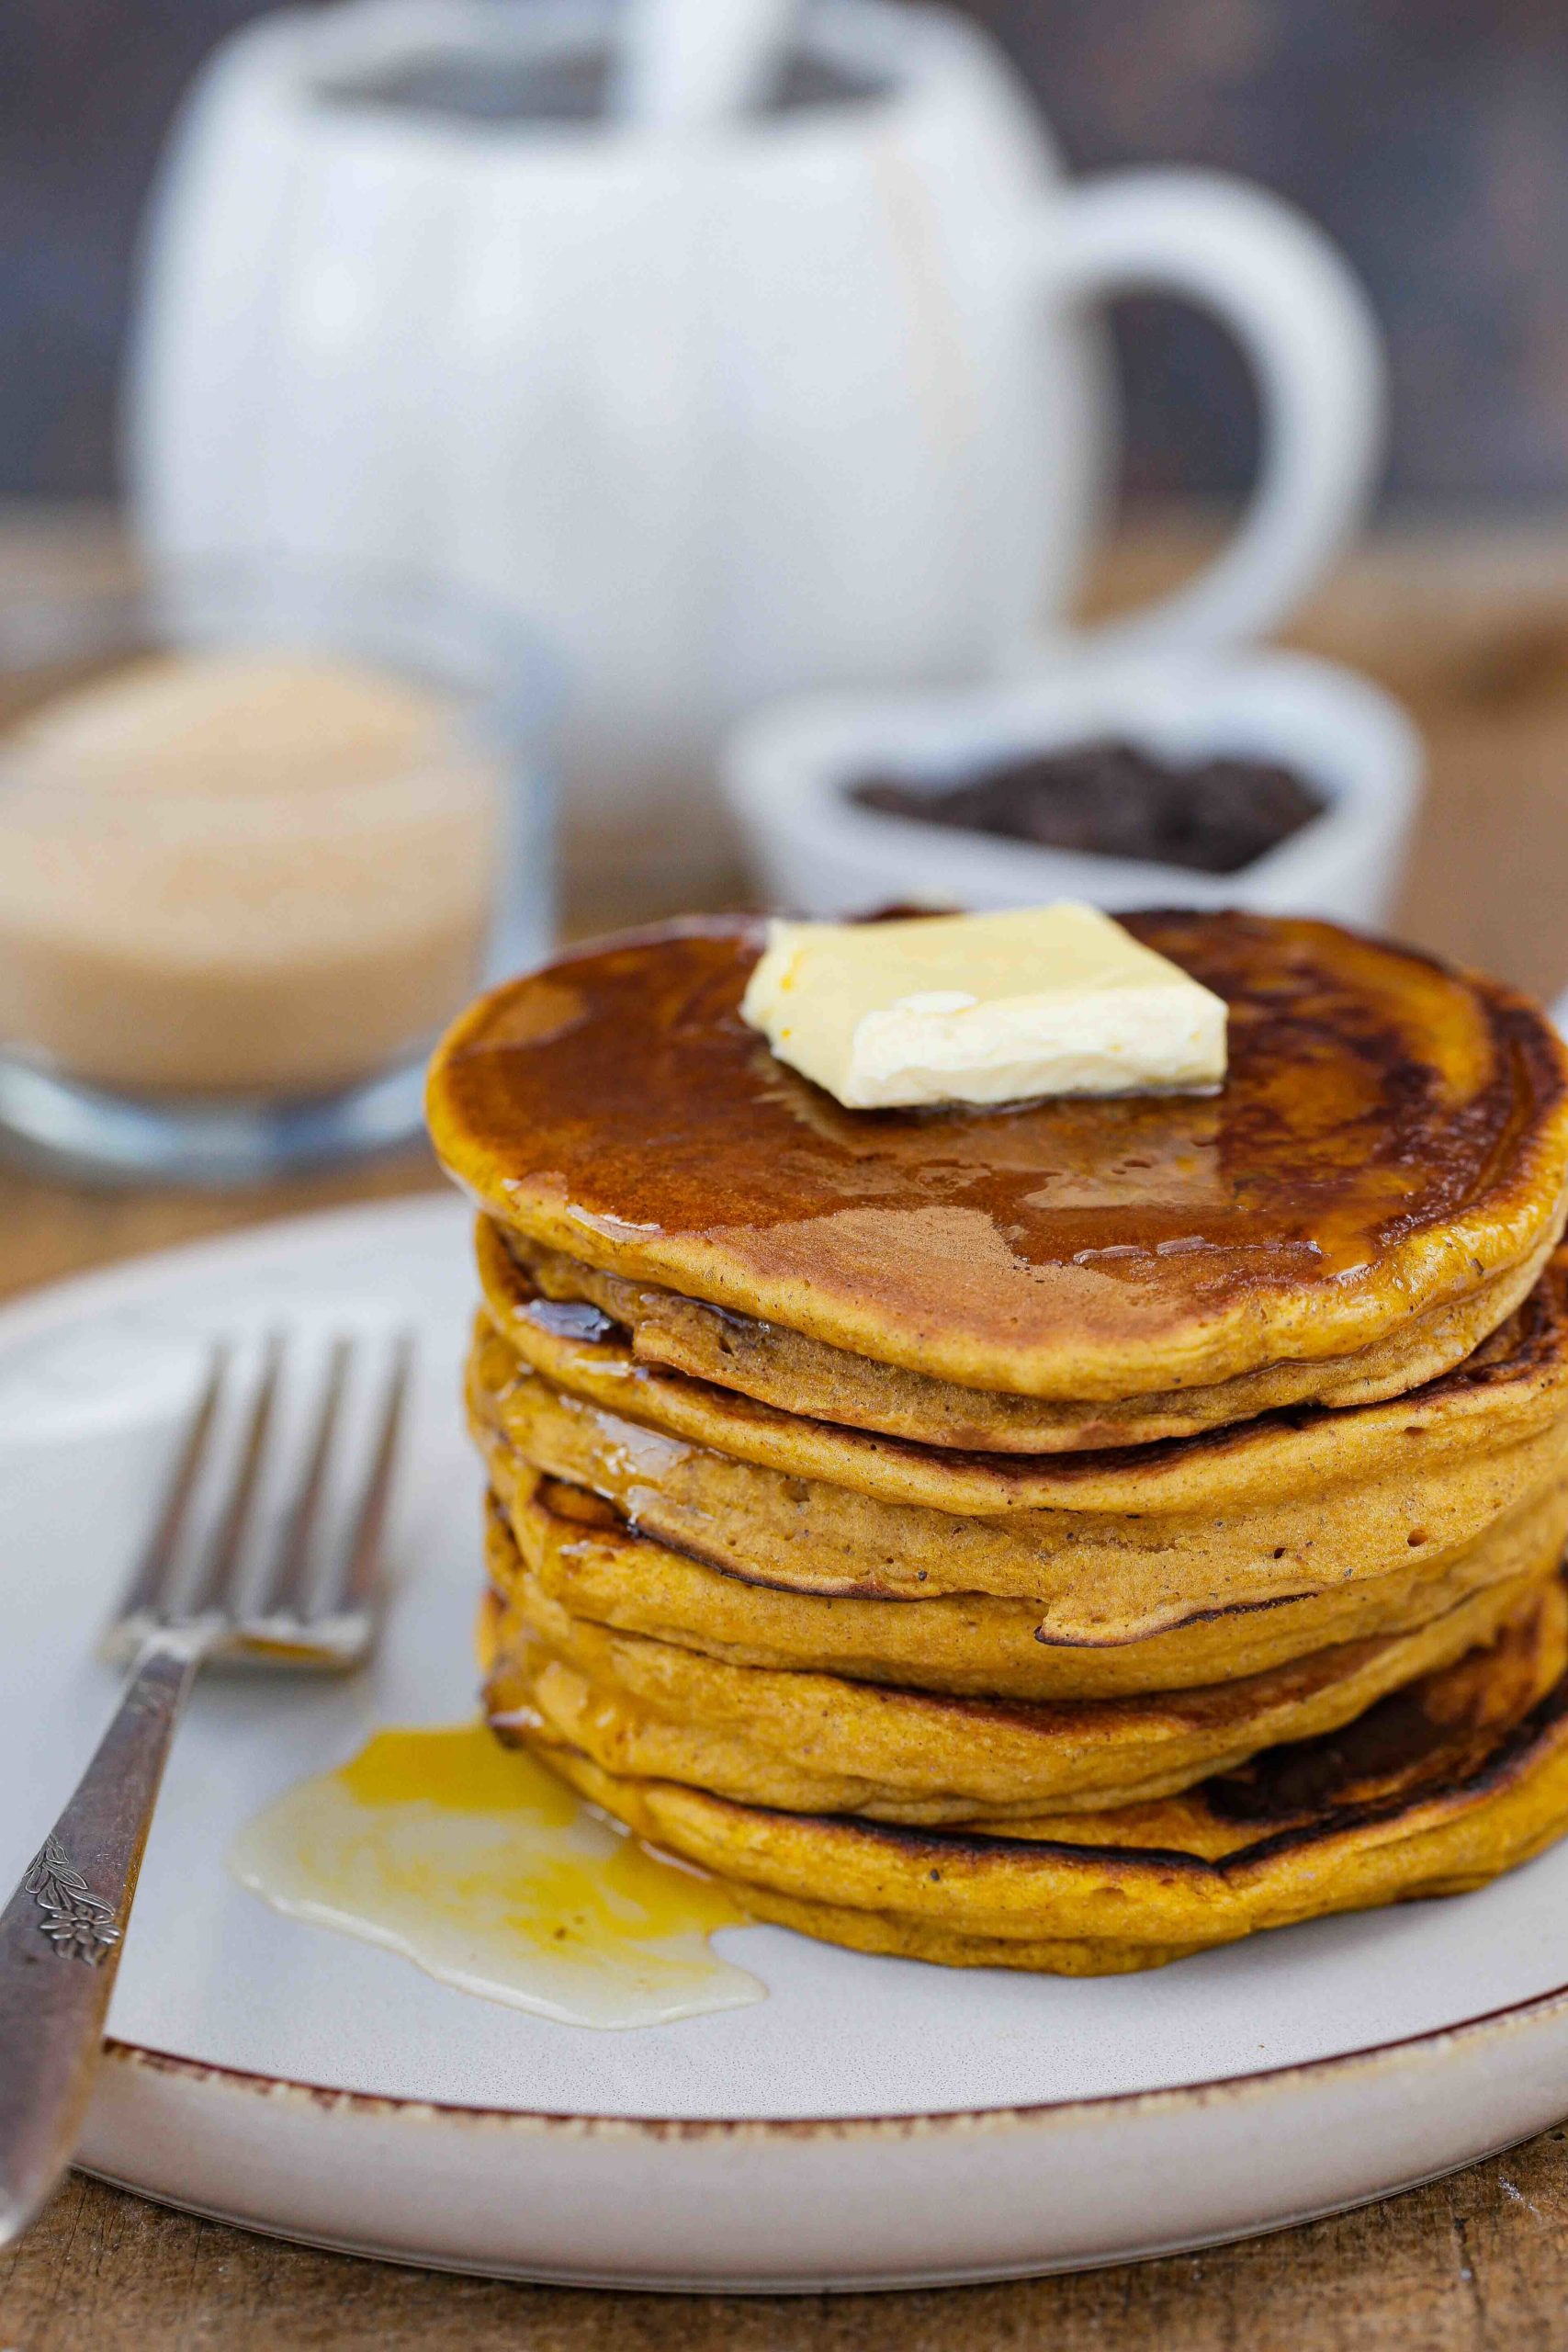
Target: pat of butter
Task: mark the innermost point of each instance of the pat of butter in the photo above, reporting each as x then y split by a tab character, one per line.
983	1009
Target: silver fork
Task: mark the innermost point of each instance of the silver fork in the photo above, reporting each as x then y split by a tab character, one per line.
222	1578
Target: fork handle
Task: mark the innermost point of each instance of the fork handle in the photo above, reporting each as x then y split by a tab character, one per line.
61	1935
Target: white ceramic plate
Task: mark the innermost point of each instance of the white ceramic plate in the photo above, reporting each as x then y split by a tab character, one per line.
875	2122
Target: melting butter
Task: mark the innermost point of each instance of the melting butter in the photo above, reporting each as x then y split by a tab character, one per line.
484	1870
983	1009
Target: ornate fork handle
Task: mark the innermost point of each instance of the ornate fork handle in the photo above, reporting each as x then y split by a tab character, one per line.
61	1932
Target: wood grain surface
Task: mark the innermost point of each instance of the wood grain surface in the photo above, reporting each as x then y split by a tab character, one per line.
1471	628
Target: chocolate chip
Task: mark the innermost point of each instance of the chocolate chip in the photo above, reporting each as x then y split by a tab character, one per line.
1113	800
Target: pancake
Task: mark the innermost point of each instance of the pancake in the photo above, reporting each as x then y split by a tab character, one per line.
1281	1508
1434	1790
1062	1536
805	1377
816	1743
587	1560
1392	1138
591	1359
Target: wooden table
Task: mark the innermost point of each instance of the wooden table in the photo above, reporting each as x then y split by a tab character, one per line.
1471	628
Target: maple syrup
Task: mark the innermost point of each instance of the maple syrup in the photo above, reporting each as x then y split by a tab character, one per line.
475	1862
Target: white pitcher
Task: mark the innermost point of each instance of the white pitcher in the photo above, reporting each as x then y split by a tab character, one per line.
811	398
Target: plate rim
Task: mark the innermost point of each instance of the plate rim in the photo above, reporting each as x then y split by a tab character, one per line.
1210	2092
59	1301
35	1308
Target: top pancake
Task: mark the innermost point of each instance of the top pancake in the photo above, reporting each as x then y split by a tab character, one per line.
1391	1137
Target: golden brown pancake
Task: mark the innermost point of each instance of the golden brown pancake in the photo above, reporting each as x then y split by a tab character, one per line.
805	1377
970	1645
592	1361
1065	1536
1392	1138
807	1742
1115	1546
1434	1790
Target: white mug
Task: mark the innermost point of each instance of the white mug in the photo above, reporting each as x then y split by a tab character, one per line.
808	399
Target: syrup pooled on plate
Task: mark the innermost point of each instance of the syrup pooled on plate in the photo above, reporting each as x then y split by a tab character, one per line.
479	1866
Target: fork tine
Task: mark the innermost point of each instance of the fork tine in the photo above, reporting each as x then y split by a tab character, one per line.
355	1587
286	1589
148	1591
215	1591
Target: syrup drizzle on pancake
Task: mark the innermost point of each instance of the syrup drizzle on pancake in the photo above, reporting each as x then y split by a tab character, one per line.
618	1106
487	1871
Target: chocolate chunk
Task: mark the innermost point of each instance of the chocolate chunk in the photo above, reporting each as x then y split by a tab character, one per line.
1113	800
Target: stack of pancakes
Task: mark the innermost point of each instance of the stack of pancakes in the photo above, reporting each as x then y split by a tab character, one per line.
1065	1536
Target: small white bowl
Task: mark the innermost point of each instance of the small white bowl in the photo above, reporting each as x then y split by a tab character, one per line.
787	770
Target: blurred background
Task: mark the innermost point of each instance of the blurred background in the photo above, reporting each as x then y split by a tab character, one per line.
1428	140
476	471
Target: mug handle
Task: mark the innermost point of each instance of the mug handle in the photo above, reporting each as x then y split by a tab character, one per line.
1306	327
